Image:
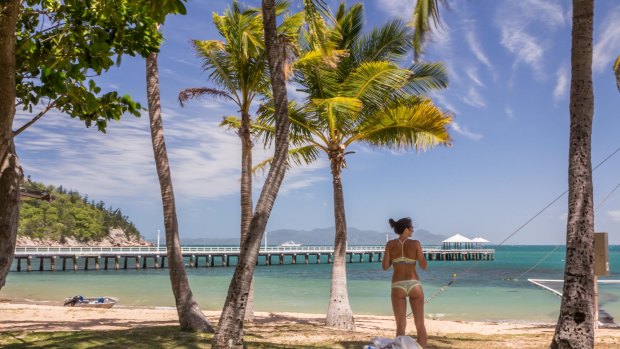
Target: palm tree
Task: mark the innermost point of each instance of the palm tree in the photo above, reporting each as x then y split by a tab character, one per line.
366	97
229	332
238	66
191	317
575	327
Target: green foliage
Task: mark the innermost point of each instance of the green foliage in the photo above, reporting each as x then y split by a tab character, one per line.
62	45
69	214
363	96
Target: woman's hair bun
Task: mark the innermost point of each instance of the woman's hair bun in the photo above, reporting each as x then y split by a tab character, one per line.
392	222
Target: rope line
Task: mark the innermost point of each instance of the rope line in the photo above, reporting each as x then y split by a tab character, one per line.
453	280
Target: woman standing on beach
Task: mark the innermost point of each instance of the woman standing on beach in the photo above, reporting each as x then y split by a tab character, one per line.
404	254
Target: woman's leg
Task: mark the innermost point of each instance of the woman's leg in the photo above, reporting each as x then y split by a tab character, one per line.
399	307
416	297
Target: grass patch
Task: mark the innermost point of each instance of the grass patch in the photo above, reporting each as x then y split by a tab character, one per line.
165	337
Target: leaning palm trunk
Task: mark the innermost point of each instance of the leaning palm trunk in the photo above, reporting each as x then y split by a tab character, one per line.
10	170
190	316
575	327
339	312
230	327
246	196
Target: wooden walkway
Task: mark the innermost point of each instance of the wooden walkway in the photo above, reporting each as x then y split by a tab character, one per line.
106	258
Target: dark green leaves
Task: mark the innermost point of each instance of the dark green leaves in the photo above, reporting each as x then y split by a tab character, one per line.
60	44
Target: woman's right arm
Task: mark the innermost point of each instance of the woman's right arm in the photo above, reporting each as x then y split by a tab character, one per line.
420	255
387	261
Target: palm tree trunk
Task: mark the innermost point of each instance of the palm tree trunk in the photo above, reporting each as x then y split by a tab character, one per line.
575	327
246	195
10	170
230	327
190	316
339	312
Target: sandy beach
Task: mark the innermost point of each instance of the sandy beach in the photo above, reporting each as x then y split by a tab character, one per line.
289	329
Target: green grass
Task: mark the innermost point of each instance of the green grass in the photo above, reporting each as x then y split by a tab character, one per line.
170	337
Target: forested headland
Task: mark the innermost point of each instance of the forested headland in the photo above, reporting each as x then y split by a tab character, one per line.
56	215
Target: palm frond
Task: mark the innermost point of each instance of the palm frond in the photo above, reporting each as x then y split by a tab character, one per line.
426	78
424	12
389	42
617	71
418	127
231	122
301	124
218	63
374	82
257	128
195	92
299	156
349	25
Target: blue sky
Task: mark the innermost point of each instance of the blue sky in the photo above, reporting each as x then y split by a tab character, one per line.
509	66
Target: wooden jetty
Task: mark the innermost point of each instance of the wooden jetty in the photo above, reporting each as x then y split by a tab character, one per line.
116	258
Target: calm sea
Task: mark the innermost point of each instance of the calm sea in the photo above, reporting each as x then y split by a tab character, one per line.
483	291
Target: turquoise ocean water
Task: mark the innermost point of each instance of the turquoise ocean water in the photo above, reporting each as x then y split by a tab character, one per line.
483	291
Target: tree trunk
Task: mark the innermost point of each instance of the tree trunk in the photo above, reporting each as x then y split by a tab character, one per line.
190	316
230	327
575	327
339	312
10	170
246	195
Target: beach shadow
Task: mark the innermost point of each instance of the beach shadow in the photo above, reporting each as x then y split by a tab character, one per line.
82	325
285	318
156	338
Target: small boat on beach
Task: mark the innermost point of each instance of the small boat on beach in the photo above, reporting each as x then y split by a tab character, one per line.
290	244
91	302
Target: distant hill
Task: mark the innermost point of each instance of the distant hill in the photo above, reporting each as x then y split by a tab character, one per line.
322	236
51	216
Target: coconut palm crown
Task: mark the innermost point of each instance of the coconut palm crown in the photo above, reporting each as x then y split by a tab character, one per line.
364	97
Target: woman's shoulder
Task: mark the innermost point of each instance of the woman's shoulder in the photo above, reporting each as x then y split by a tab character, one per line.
415	242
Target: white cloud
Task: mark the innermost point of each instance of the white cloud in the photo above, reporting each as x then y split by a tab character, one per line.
524	46
465	132
444	103
474	99
614	215
397	8
607	46
472	73
474	46
561	86
509	112
204	158
521	24
564	216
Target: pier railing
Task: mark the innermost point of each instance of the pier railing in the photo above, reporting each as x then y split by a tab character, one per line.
25	251
80	258
185	250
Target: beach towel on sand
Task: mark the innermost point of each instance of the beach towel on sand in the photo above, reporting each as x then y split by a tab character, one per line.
400	342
